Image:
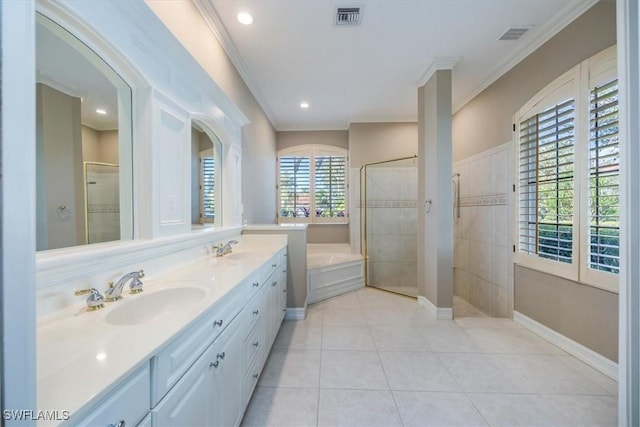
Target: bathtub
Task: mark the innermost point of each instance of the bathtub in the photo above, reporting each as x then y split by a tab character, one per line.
332	269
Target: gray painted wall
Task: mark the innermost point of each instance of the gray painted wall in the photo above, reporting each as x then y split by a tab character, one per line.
579	312
586	314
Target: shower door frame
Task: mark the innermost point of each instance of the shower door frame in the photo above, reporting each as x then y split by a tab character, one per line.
363	215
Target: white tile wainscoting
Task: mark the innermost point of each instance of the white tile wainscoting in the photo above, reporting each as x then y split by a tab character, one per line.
483	232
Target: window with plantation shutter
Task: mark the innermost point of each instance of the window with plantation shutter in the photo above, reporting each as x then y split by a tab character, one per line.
312	184
604	179
568	176
207	187
294	186
329	186
546	182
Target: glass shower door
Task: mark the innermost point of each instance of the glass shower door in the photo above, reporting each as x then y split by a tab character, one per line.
390	224
102	183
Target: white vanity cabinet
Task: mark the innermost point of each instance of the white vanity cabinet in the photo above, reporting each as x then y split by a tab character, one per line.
126	405
214	389
209	394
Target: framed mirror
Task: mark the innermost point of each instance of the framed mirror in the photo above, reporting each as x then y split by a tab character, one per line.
84	144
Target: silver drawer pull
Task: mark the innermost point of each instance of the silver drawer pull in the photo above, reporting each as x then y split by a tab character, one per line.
220	356
274	265
217	322
274	283
255	376
257	343
284	291
120	423
256	312
214	364
256	284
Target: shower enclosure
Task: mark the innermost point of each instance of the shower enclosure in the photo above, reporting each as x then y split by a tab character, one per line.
389	224
102	202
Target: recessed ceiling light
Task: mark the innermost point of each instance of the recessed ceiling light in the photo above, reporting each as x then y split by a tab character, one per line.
304	105
245	19
101	111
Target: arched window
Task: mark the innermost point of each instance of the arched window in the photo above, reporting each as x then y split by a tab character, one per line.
312	184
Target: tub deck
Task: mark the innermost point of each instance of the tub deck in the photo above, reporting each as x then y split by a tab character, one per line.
332	269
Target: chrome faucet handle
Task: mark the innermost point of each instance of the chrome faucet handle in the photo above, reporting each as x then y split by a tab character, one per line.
228	248
95	301
219	249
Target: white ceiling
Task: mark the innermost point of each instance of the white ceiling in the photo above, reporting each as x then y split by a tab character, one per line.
293	52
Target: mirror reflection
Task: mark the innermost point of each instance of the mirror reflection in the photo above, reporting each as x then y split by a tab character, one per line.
83	137
205	177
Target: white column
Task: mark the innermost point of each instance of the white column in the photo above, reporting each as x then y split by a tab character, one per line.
629	298
18	192
435	194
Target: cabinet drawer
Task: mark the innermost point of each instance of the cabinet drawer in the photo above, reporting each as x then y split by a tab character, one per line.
129	402
173	360
253	312
253	344
250	381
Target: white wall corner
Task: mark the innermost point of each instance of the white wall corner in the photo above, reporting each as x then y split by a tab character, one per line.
438	63
588	356
440	313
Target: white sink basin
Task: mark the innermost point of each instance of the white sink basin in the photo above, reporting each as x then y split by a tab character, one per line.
145	307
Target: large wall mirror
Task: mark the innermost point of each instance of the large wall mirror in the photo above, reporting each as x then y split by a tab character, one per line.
205	177
84	148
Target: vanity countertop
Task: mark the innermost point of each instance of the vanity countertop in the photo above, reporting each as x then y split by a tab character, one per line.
80	355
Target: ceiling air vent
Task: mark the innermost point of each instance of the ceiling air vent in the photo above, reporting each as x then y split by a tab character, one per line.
514	33
348	16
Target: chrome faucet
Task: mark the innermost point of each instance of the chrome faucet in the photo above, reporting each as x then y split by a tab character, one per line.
114	292
222	250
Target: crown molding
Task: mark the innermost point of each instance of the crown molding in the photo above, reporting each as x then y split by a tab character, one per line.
215	24
438	63
542	34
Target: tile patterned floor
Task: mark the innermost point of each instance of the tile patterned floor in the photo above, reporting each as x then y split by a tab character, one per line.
371	358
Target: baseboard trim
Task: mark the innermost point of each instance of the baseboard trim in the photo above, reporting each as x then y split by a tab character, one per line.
295	313
588	356
440	313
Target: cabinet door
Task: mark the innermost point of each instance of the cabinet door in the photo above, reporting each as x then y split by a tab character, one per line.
189	403
227	377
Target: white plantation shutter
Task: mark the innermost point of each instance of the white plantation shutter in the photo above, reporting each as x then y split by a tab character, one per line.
604	179
546	182
330	186
294	187
568	162
312	184
207	188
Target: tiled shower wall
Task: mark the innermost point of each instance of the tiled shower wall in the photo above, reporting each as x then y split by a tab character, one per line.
483	233
391	223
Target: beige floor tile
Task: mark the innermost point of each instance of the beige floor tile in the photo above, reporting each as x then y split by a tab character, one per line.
282	407
509	410
349	300
596	411
347	338
352	370
511	340
398	338
547	374
353	408
611	386
436	409
416	371
298	335
291	368
343	317
482	374
450	340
